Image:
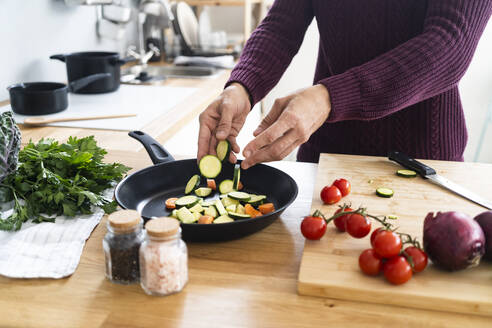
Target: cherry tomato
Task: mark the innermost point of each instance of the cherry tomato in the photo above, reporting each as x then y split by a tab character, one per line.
374	234
387	244
357	226
370	263
330	195
313	227
343	185
419	258
340	221
397	270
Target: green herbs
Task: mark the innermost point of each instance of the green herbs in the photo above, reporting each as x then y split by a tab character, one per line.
58	179
10	140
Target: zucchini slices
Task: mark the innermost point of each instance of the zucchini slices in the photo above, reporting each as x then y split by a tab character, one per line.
385	192
223	150
210	166
192	184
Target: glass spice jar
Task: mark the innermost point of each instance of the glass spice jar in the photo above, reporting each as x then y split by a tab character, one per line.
163	258
121	245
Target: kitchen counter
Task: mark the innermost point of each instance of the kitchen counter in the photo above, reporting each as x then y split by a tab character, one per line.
249	282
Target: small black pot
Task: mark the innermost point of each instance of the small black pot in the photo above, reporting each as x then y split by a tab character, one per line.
41	98
82	64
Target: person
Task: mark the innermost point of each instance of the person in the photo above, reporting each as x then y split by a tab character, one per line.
386	79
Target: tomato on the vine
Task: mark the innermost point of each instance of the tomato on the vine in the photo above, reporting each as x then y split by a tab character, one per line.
330	195
419	258
374	234
357	225
397	270
370	263
387	244
343	185
313	227
340	221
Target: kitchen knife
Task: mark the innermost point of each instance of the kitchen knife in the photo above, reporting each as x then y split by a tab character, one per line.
431	174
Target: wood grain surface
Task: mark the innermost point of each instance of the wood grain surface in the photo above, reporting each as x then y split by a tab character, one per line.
330	268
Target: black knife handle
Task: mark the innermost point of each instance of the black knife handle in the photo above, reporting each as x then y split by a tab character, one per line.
411	164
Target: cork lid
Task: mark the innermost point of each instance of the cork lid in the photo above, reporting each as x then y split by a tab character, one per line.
162	227
124	219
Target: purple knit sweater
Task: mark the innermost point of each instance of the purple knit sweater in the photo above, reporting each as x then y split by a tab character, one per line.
391	67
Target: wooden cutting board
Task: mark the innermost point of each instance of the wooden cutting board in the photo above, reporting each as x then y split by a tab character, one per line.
329	267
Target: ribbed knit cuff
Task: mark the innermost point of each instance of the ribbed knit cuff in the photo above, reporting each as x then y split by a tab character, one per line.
345	96
250	81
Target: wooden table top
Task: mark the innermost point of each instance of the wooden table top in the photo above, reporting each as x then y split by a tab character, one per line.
244	283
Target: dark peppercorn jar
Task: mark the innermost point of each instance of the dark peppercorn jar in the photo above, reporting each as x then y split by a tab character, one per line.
121	246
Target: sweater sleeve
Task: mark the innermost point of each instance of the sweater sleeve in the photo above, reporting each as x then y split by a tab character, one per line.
425	66
272	46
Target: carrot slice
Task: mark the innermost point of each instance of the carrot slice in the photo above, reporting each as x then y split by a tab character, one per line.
171	203
240	186
251	211
211	184
205	219
266	208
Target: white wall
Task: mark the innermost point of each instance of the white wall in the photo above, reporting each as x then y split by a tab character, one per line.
32	30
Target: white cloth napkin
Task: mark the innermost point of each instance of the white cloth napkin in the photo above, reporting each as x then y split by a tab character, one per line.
46	250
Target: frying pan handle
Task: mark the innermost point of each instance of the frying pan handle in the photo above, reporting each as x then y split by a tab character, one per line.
155	150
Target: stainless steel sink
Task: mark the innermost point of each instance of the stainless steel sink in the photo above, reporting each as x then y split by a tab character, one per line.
153	74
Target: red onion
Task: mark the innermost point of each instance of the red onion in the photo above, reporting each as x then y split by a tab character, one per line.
485	222
453	240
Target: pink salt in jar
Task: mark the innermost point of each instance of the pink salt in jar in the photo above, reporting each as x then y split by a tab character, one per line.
163	258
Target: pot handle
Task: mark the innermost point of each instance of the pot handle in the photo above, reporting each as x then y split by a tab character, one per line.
156	152
60	57
82	82
122	61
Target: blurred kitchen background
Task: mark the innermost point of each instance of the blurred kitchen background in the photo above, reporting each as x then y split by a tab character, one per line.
32	30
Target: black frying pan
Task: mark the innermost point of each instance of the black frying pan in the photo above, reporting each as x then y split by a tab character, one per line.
147	190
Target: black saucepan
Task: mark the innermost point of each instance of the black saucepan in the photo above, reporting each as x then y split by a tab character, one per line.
147	190
41	98
81	64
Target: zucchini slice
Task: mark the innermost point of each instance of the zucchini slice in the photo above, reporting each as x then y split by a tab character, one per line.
239	195
256	200
231	208
223	219
223	150
239	216
174	214
203	191
220	208
196	209
211	211
192	184
237	177
406	173
210	166
385	192
229	201
208	203
240	209
187	201
225	186
186	216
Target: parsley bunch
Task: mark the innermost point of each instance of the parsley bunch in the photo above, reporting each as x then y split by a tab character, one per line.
58	179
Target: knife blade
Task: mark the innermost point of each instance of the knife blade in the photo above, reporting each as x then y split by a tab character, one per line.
429	173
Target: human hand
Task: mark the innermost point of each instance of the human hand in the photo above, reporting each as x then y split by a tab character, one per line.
223	119
290	122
